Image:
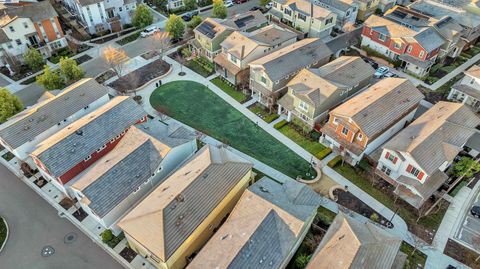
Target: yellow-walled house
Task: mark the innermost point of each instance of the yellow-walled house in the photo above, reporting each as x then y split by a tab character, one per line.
173	222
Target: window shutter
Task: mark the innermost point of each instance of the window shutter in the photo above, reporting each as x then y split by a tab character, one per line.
395	160
387	155
409	168
420	175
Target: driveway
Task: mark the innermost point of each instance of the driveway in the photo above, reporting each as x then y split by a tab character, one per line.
469	230
35	224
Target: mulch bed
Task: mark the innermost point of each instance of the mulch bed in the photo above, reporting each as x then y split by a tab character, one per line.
149	55
105	76
351	202
23	73
139	77
461	253
82	59
128	254
80	215
40	182
66	203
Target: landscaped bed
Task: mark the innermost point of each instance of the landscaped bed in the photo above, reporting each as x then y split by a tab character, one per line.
424	228
128	39
195	105
263	112
462	254
139	77
229	89
415	257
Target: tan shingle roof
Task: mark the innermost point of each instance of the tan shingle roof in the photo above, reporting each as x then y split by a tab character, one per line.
168	215
381	105
473	71
437	136
350	244
311	88
346	71
305	7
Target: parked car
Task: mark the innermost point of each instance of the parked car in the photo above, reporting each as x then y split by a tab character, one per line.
381	72
475	211
255	8
240	1
390	75
190	15
228	3
149	31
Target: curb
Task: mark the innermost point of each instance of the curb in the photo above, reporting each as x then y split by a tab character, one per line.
6	237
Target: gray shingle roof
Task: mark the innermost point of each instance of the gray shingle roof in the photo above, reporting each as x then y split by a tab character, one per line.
429	39
349	243
439	10
346	71
3	37
263	228
337	4
32	122
182	202
71	145
294	57
36	11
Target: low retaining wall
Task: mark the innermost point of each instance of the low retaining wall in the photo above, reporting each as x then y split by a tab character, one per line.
6	237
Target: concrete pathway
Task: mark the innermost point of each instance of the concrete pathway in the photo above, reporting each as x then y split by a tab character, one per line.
455	72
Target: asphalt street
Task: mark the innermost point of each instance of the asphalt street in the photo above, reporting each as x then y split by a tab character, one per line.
34	224
235	9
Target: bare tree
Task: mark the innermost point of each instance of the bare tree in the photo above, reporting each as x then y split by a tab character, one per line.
115	59
160	42
12	62
181	61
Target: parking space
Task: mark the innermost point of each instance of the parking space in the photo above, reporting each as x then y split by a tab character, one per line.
469	231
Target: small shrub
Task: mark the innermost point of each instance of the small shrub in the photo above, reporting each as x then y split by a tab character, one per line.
314	135
107	236
280	124
186	52
323	153
333	162
374	217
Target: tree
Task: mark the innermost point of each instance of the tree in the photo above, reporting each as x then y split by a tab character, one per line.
160	42
467	166
219	9
301	260
114	59
189	4
196	20
107	236
70	70
175	26
12	62
9	105
142	17
264	2
50	80
34	59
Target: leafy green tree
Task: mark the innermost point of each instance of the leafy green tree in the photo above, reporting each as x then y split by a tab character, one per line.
9	105
302	260
219	9
34	59
70	70
50	80
264	2
142	16
107	236
175	26
189	4
467	166
196	20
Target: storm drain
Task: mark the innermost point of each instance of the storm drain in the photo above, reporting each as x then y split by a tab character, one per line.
70	238
47	251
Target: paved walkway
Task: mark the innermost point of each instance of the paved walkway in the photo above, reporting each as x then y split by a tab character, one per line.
455	72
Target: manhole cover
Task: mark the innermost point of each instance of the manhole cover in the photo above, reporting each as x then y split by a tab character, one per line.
47	251
70	238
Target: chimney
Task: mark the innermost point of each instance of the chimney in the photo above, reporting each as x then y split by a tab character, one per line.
243	52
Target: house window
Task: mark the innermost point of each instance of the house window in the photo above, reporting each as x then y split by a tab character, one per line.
371	31
302	17
391	157
421	54
303	106
359	137
397	45
409	49
288	12
18	41
335	121
344	131
386	170
11	29
263	80
25	25
328	21
382	37
120	9
233	58
412	170
100	149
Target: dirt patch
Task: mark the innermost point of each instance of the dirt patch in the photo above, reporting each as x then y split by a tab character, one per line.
461	254
82	59
139	77
128	254
149	55
80	215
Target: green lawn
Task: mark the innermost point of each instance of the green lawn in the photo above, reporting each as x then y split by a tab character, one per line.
228	89
263	113
195	105
198	68
309	145
429	222
412	261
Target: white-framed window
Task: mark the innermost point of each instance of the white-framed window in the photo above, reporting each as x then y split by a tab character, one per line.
302	17
382	37
263	79
345	131
101	148
233	58
359	137
335	121
303	106
112	140
328	21
386	170
409	49
397	45
421	54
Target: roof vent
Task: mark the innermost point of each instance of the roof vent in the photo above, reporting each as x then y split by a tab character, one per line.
72	150
205	175
270	263
263	189
413	137
26	128
224	237
137	176
179	198
79	132
181	217
341	237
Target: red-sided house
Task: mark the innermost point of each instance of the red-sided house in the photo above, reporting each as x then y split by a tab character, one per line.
415	159
416	47
73	149
369	119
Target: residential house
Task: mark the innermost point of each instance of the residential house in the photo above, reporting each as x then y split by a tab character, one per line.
415	160
33	25
270	74
174	4
385	5
265	228
366	8
369	119
212	31
446	27
98	16
73	149
346	10
311	19
313	92
467	89
416	47
174	221
468	20
144	157
24	131
241	48
351	244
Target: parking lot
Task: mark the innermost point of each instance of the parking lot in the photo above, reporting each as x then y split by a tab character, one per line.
469	230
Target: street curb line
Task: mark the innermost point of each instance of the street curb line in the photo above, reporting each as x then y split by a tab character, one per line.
6	237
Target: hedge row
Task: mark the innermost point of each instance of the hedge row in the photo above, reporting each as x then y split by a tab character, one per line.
323	153
280	124
333	162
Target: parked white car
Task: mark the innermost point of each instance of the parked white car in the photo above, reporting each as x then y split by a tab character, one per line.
228	3
381	71
149	31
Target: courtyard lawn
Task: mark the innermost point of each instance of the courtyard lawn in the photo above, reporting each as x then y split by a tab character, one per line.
194	104
314	147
